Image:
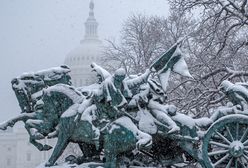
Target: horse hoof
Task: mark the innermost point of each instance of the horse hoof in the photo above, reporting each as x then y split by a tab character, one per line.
3	127
47	147
175	130
48	164
71	159
38	136
11	124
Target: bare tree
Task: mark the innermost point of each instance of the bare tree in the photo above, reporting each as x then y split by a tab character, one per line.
141	42
218	51
223	21
216	44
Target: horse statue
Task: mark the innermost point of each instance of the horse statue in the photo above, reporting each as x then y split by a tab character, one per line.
28	89
121	113
59	116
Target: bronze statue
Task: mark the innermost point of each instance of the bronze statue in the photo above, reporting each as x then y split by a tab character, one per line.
122	113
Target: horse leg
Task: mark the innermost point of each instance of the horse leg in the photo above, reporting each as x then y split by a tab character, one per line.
33	126
22	117
123	136
32	139
111	159
89	151
66	128
53	134
61	144
110	153
38	145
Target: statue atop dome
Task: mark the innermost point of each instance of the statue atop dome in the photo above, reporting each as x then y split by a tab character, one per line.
91	5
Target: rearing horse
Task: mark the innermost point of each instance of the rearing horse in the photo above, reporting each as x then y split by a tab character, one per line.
28	89
117	137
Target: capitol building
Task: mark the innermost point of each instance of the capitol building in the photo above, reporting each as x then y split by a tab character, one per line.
88	51
16	151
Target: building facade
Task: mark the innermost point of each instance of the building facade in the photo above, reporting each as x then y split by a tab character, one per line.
17	152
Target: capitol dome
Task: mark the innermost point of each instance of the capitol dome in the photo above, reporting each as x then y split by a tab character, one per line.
88	51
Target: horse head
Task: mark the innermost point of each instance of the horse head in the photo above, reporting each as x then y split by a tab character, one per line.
28	84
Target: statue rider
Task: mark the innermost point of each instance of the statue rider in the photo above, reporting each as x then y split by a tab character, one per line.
118	91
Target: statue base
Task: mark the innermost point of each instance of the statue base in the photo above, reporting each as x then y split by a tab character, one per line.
66	165
84	165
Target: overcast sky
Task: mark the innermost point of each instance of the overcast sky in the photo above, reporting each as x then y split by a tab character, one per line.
37	34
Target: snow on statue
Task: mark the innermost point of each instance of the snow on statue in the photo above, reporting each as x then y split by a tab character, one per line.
120	115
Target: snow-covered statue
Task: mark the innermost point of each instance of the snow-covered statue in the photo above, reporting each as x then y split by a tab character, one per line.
29	89
116	116
237	93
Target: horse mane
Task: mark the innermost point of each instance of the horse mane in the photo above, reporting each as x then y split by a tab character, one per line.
66	90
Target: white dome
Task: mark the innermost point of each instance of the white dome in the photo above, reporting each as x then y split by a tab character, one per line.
89	50
79	60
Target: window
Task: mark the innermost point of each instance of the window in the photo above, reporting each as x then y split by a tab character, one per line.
8	161
81	82
28	156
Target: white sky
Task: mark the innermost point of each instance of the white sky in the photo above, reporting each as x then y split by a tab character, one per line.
37	34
